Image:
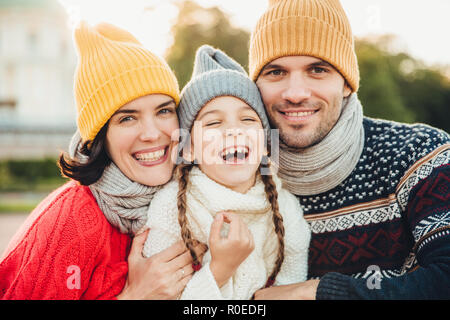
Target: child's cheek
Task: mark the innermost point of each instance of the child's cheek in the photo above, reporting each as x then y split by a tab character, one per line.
211	145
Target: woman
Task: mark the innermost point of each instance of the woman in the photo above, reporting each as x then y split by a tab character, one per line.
76	243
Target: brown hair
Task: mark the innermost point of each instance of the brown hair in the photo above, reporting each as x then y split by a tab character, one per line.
272	195
182	173
87	172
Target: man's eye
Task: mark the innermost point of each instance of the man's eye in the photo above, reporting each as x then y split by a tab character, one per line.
318	70
275	72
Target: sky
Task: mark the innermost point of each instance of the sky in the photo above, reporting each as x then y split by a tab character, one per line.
421	28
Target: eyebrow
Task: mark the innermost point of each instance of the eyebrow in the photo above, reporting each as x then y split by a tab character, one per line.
128	111
321	64
208	112
165	104
247	107
271	66
243	107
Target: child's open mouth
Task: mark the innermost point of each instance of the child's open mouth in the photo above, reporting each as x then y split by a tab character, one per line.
235	154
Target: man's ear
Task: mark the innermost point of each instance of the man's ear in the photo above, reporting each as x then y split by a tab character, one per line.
347	90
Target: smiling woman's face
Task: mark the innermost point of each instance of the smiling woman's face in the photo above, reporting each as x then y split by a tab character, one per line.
139	139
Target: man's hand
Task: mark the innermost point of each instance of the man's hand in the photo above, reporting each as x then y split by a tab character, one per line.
297	291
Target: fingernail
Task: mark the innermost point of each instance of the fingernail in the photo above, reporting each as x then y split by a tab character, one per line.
196	266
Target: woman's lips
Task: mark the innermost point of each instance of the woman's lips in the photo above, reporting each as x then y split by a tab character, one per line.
153	156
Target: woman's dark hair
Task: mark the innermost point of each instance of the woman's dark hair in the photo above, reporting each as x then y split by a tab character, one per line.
87	172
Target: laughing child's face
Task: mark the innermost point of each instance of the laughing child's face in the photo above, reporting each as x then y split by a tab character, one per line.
227	141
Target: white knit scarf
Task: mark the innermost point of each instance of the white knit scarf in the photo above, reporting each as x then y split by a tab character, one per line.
322	167
206	198
216	197
123	202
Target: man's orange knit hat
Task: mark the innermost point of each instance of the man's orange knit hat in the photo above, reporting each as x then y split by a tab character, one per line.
317	28
114	69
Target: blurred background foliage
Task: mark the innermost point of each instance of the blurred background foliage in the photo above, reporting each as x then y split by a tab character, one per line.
196	26
394	85
34	174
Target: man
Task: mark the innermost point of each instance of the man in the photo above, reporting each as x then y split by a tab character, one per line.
376	193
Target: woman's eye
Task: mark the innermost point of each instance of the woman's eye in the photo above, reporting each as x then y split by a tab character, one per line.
125	119
165	111
249	119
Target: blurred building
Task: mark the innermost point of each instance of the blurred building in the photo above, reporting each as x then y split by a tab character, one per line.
37	63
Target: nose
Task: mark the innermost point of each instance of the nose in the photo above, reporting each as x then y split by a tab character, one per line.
297	89
149	131
235	131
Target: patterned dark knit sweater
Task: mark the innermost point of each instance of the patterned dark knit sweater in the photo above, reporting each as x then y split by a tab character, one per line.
391	213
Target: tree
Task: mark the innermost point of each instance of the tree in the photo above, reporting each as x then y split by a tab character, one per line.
196	26
379	92
397	87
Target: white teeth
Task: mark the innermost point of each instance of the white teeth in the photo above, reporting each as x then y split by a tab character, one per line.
230	150
299	114
233	150
151	156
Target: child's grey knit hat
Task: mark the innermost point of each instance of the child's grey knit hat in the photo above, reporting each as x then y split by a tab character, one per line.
215	74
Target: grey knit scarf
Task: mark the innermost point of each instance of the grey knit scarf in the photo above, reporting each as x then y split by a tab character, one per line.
123	202
322	167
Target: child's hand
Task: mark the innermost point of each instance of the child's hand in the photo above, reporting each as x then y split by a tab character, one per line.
228	253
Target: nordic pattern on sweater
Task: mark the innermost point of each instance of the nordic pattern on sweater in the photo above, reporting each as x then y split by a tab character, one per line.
205	198
394	204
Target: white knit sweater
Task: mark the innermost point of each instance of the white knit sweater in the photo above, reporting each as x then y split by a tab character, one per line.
205	198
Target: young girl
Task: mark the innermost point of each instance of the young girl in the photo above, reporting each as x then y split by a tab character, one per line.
254	229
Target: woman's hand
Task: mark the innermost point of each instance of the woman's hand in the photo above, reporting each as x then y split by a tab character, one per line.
228	253
163	276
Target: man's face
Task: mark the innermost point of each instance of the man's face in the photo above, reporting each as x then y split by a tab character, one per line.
303	98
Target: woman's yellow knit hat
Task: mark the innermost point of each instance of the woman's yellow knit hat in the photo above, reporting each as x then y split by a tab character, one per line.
317	28
114	69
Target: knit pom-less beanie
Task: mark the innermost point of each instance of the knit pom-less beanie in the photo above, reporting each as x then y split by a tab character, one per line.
215	74
317	28
114	69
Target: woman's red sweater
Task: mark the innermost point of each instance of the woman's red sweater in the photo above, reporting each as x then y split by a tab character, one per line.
66	249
